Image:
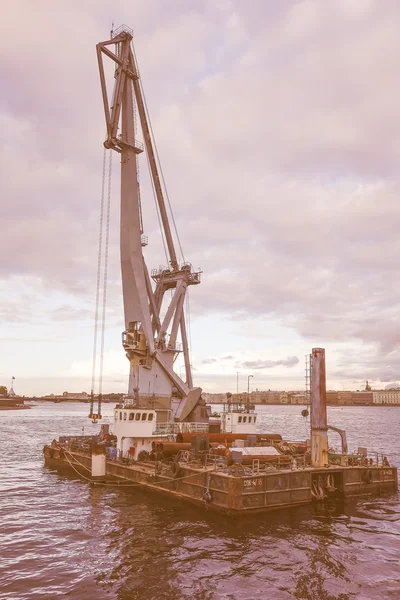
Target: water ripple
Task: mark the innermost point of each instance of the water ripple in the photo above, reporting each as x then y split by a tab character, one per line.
60	537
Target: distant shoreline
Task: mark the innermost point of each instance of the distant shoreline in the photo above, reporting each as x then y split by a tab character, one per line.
17	407
256	404
305	405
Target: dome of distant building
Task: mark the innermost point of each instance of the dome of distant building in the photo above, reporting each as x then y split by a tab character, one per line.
393	386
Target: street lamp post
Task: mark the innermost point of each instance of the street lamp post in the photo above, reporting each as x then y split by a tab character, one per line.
237	383
248	391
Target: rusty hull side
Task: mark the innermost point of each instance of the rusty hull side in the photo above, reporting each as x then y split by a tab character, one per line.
240	495
369	480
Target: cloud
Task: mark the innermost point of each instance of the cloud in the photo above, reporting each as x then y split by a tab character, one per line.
290	361
366	363
29	340
212	360
68	313
278	134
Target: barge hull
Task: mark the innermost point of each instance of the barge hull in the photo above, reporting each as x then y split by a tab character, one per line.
235	494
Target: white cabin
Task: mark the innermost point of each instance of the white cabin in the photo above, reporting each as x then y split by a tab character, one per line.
239	422
135	429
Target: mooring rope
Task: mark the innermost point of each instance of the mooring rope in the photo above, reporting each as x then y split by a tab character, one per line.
76	471
123	484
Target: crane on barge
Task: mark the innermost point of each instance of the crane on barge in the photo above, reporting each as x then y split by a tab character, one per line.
152	329
242	479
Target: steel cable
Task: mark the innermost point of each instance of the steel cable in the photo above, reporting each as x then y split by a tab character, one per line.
99	257
105	280
157	155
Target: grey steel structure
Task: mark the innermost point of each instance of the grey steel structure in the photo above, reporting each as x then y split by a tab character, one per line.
150	340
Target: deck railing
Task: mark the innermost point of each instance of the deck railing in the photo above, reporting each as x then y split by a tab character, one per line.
174	428
354	459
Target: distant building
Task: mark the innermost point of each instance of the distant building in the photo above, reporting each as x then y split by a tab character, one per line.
386	397
347	398
215	398
75	396
271	398
284	398
361	398
332	398
297	398
344	398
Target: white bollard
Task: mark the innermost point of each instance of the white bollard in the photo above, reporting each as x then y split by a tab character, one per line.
98	461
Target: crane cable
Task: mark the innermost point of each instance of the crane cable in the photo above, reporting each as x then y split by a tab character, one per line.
104	233
105	280
167	196
148	165
157	211
189	327
137	162
156	152
99	261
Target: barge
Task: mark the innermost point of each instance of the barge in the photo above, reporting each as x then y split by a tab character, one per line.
237	490
235	473
162	439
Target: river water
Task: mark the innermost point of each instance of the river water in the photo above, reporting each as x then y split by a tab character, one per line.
59	537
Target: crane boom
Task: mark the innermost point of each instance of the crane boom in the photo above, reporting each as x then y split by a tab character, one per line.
154	171
150	342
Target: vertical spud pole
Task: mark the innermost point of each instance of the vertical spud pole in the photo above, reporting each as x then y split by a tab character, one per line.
319	425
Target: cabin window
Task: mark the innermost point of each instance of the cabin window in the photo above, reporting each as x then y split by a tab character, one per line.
120	415
244	419
137	416
131	416
124	416
144	416
151	417
254	419
239	419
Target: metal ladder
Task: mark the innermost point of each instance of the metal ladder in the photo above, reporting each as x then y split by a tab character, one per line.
307	393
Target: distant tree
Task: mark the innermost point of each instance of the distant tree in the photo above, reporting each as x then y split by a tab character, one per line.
3	390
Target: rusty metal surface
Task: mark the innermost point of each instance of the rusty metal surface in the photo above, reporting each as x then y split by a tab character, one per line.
230	437
318	389
98	449
243	494
172	448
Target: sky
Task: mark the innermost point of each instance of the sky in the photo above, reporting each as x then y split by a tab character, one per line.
278	130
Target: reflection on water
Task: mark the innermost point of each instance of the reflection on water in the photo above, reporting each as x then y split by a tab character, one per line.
60	536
